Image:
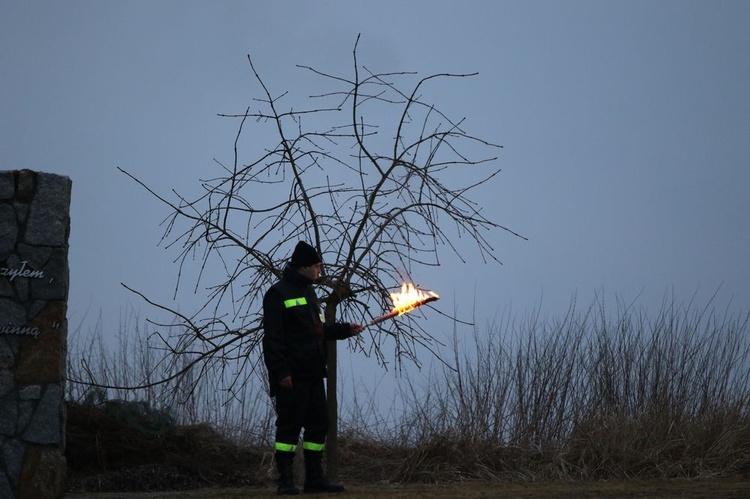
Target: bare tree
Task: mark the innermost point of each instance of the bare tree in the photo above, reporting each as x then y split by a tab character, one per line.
375	177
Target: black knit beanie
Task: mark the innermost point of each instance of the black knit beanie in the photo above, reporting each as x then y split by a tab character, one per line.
304	255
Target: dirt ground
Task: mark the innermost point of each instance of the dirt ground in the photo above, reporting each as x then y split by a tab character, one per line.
716	488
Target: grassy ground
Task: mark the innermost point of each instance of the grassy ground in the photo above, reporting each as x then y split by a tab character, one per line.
699	488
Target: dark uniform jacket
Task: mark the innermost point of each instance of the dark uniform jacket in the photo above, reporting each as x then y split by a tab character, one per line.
294	334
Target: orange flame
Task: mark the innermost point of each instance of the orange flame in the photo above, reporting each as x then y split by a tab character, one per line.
410	297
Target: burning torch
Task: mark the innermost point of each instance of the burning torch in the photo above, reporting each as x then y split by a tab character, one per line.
406	300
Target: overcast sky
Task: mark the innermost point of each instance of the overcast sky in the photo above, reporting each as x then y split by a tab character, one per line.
625	126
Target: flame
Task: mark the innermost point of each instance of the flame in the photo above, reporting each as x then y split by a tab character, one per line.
410	297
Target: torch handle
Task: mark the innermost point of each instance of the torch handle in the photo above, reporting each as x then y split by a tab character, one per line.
382	318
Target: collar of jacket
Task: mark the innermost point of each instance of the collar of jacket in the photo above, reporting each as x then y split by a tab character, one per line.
293	276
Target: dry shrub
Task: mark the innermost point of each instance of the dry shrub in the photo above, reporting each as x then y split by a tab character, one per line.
656	445
369	460
592	396
107	453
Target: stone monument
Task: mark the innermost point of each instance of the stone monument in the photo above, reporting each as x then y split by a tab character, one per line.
34	228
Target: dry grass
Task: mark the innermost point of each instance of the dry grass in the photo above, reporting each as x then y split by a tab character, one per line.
107	453
590	397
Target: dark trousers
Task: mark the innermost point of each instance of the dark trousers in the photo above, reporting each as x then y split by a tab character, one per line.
304	406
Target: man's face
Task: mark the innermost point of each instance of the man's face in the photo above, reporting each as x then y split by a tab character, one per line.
312	272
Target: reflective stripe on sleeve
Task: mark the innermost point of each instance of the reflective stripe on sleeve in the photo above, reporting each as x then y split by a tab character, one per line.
295	302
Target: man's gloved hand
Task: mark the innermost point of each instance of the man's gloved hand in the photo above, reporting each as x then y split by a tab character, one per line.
286	383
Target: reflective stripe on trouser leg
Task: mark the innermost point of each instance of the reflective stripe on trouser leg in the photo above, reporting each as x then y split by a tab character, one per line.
313	446
285	447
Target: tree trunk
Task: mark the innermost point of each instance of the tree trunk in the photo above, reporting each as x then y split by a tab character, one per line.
332	441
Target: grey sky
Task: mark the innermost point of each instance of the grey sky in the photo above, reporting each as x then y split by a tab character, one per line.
625	126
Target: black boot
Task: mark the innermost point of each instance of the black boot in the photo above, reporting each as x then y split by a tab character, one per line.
314	480
284	465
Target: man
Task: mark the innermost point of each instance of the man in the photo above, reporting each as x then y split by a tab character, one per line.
294	351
